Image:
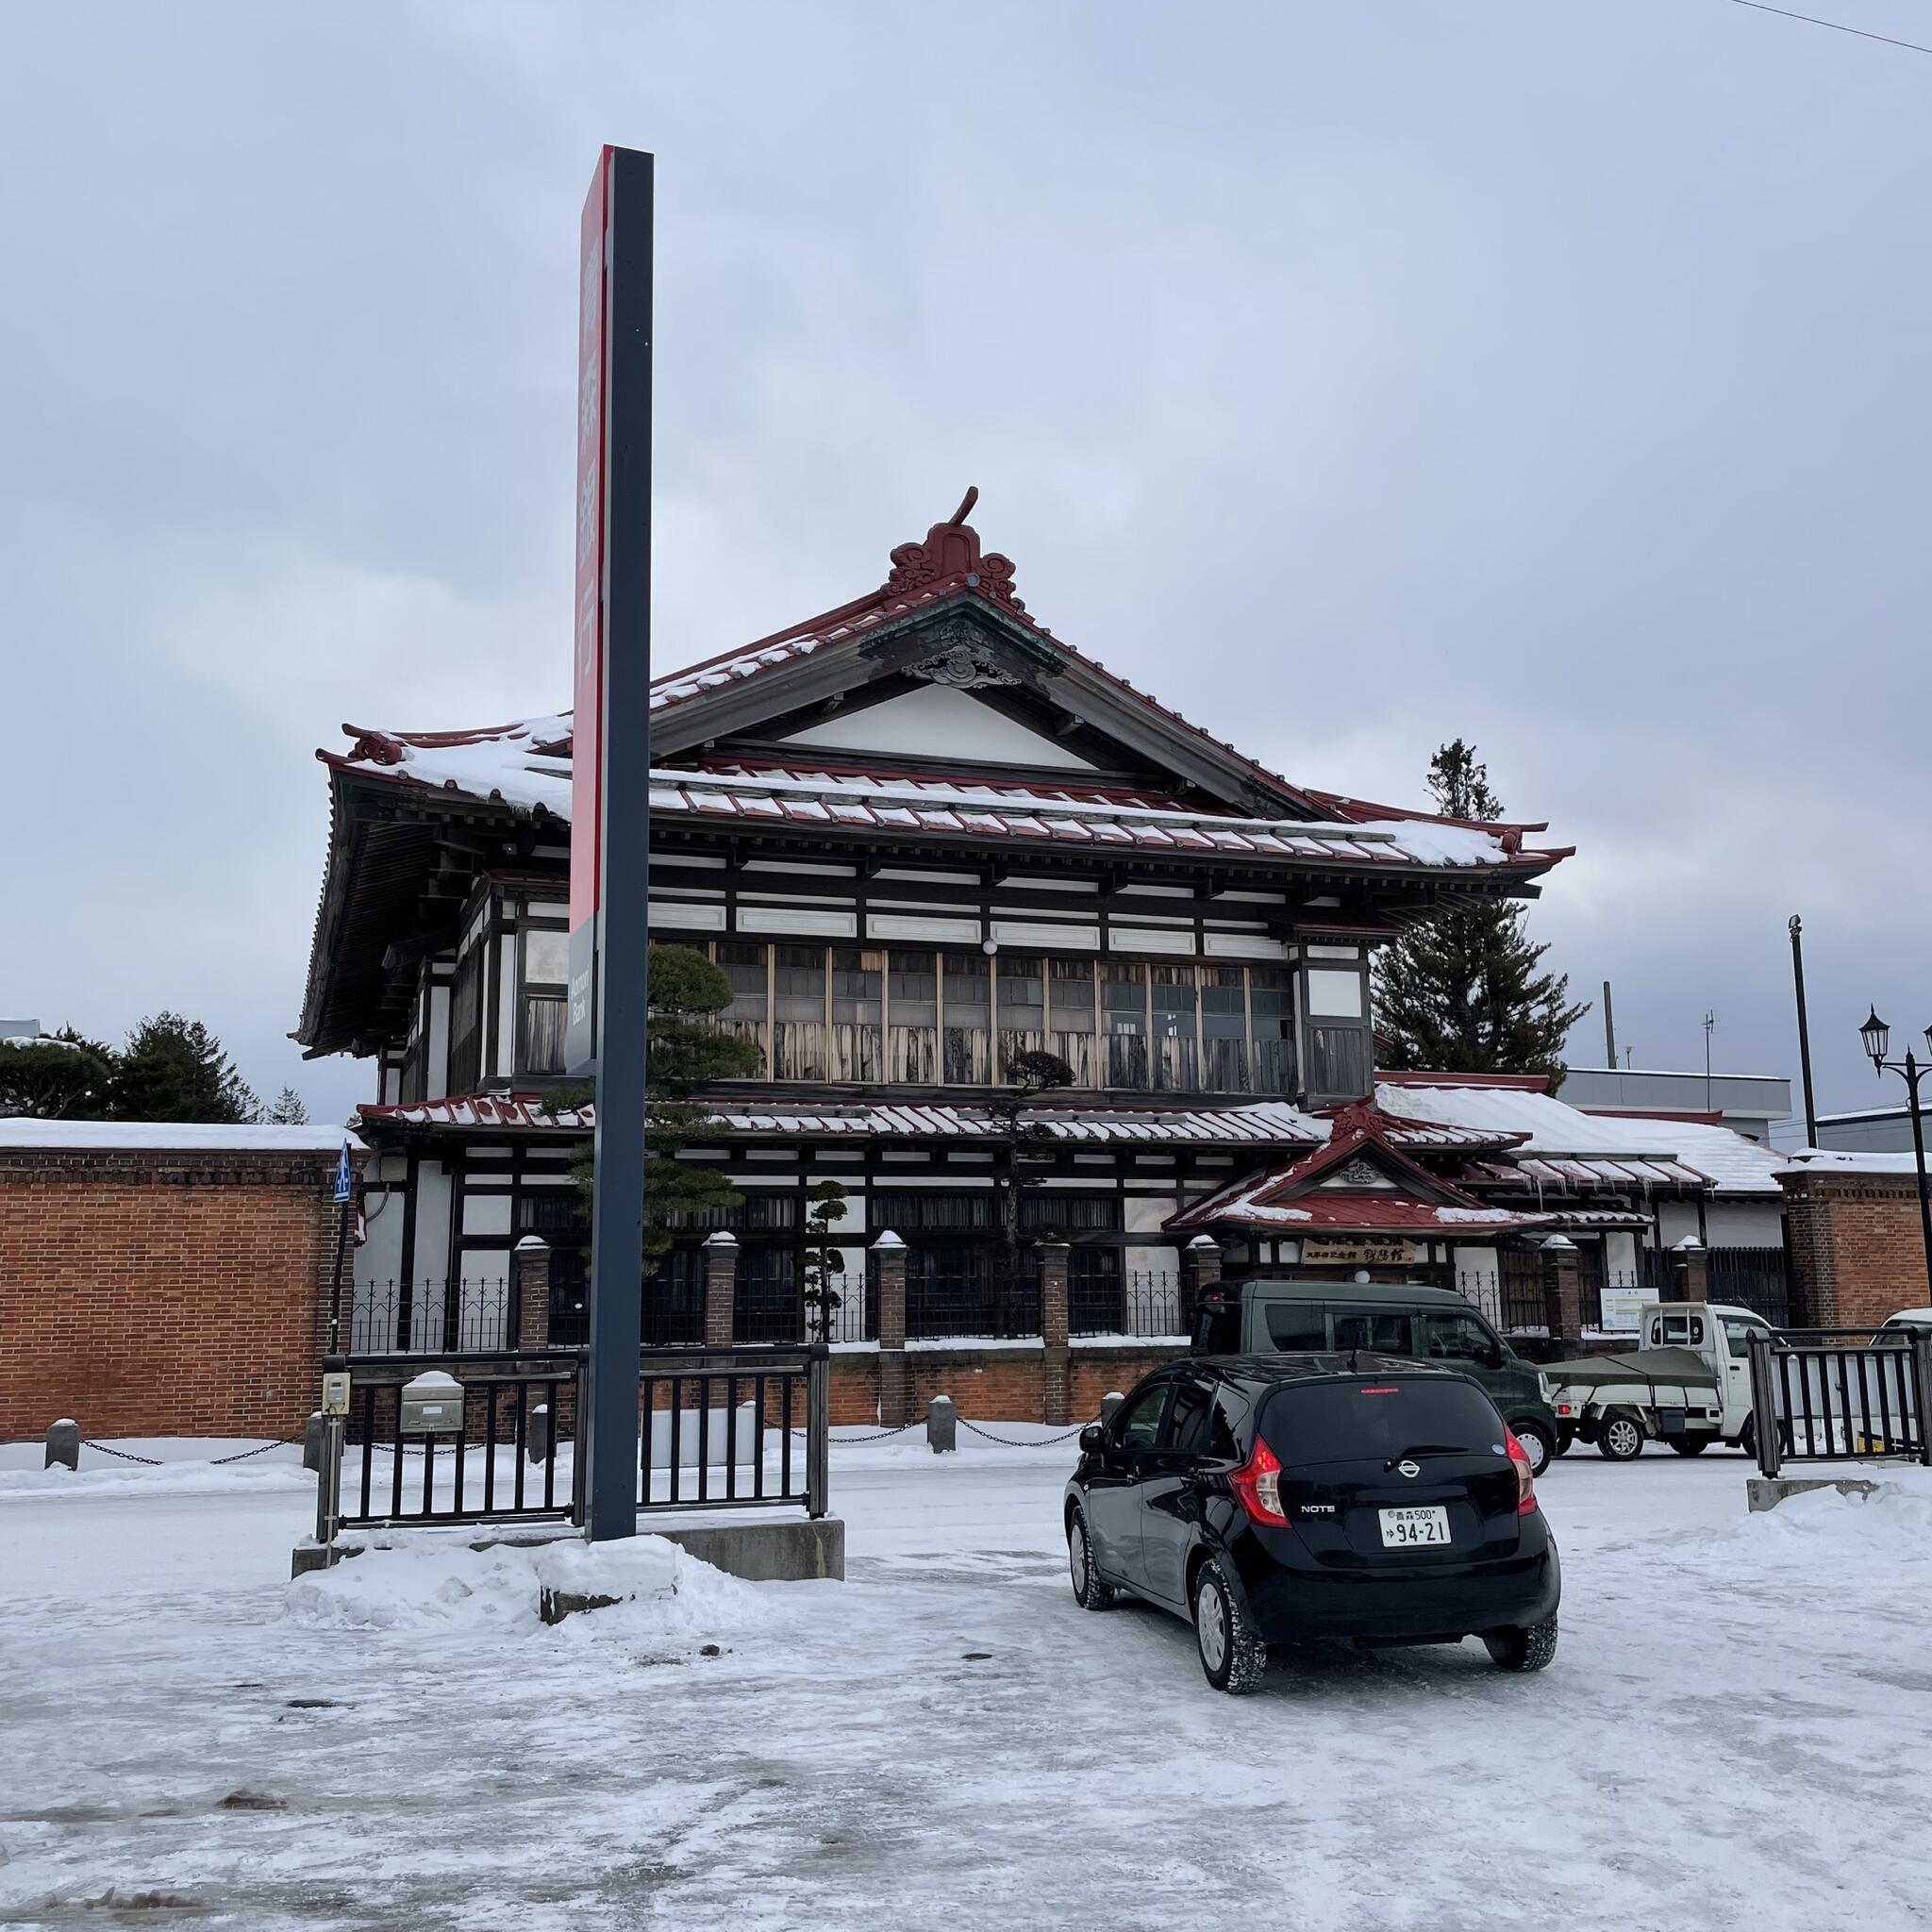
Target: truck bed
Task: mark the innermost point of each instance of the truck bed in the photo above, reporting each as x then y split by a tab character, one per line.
1646	1368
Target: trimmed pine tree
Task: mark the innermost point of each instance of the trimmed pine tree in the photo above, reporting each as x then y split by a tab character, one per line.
1463	993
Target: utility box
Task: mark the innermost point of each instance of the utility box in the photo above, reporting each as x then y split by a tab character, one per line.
334	1393
432	1404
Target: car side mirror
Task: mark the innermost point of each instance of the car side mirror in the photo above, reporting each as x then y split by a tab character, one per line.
1092	1440
1493	1356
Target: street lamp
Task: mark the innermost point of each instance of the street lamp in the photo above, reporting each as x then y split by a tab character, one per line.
1877	1037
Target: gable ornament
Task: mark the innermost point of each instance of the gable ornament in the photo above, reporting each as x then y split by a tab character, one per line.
965	667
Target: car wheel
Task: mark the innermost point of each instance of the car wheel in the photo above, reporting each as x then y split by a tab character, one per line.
1233	1658
1089	1592
1620	1437
1747	1438
1566	1440
1536	1441
1523	1650
1691	1446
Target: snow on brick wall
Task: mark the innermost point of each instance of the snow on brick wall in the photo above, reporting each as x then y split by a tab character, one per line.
1857	1253
154	1292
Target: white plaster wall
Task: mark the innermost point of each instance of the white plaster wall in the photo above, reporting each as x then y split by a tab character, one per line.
1744	1225
1675	1220
939	722
432	1221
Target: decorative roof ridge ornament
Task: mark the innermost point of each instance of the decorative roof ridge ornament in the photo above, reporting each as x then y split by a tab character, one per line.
952	550
965	667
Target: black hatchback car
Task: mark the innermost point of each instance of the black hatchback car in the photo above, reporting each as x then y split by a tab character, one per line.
1287	1498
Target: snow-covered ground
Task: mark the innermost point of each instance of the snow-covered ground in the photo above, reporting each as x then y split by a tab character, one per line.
1734	1733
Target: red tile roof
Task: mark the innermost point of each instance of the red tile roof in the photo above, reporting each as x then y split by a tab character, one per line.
1289	1196
526	763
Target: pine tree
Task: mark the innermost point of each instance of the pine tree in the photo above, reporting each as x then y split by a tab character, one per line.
823	1263
286	1110
1463	994
686	1050
58	1076
174	1069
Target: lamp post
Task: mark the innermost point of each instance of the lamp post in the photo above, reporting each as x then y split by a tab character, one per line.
1877	1037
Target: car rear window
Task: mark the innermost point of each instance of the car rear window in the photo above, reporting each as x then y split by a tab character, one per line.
1336	1422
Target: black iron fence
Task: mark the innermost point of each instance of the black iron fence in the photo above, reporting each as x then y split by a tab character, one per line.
749	1432
491	1437
1754	1278
434	1316
1838	1396
492	1455
1142	1302
1509	1297
987	1304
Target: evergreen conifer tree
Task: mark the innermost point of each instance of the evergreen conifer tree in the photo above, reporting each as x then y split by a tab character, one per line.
174	1069
58	1076
1462	993
286	1110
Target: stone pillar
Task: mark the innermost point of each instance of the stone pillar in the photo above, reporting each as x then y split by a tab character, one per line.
889	1286
530	1259
1562	1289
721	1290
1690	1270
1203	1256
1055	1366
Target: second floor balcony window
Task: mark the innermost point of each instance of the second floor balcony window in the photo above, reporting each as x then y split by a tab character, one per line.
927	1018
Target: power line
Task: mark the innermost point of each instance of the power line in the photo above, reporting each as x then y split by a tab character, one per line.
1836	26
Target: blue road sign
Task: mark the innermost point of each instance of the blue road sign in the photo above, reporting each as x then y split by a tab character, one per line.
345	1180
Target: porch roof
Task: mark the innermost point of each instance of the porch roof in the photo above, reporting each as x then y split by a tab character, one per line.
1275	1123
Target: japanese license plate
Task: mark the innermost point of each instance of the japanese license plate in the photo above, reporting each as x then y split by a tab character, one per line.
1408	1529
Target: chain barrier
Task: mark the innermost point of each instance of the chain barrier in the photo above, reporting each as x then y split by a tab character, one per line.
209	1462
126	1454
1037	1442
840	1441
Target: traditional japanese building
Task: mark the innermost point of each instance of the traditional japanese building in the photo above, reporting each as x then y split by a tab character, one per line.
922	835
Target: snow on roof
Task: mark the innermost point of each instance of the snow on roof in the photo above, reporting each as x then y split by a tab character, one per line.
1596	1144
187	1136
526	765
1847	1161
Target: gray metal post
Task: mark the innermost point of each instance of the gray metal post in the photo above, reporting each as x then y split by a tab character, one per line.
63	1445
1921	1391
1763	1415
329	1481
607	1436
818	1431
942	1425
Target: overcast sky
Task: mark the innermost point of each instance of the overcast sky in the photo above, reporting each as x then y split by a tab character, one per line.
1549	371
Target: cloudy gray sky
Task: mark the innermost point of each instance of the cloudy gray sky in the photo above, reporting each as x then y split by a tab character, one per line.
1351	375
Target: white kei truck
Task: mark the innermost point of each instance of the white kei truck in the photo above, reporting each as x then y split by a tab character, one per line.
1686	1382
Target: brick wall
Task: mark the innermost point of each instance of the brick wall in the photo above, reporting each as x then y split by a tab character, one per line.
158	1291
1857	1251
986	1384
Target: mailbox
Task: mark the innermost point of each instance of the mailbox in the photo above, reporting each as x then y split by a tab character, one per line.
432	1404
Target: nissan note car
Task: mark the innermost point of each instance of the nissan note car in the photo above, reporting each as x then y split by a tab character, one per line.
1293	1498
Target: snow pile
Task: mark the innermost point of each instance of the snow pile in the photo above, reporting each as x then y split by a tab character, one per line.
1891	1525
432	1583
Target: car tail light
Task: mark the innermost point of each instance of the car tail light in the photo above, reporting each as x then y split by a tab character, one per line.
1258	1483
1525	1482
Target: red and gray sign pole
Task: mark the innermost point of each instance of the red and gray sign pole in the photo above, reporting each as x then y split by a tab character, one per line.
611	795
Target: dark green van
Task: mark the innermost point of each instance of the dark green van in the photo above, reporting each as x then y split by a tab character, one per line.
1434	1325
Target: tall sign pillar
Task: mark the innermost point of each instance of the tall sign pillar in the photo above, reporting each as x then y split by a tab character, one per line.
610	793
